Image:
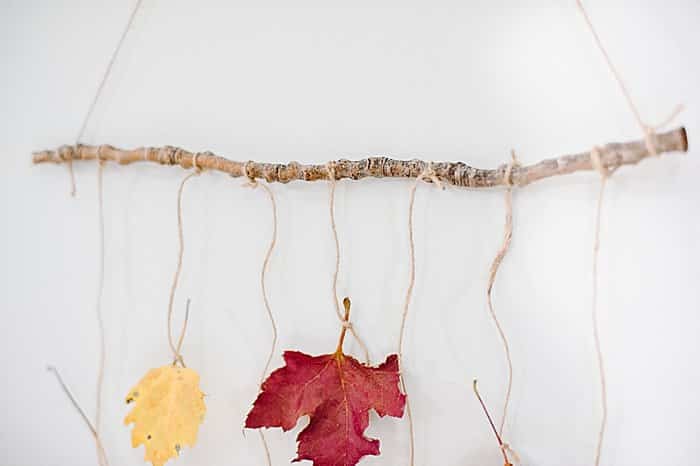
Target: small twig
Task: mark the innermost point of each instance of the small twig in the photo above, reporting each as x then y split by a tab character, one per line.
346	325
612	156
72	399
493	427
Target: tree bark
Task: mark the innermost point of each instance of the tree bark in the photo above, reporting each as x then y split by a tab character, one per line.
612	155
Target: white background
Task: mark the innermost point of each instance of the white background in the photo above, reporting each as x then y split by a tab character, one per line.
313	81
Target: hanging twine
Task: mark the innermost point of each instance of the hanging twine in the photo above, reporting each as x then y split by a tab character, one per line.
98	93
604	175
253	183
598	164
175	348
428	174
505	245
649	131
330	167
101	455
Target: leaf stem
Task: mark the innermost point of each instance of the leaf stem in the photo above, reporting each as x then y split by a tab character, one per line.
493	427
346	325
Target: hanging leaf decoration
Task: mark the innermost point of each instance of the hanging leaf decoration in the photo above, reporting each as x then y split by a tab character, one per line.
336	392
168	408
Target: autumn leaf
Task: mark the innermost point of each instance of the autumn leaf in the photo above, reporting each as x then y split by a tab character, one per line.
336	392
168	408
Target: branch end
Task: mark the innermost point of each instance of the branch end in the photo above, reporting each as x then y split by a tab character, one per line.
684	139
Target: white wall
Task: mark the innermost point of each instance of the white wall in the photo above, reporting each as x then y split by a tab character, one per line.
314	81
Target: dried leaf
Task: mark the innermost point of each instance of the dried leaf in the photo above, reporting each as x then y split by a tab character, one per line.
168	408
337	392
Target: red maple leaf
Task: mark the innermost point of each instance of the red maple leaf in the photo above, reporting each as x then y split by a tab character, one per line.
336	392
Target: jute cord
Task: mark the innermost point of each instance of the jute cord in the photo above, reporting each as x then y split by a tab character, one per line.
604	175
252	183
428	174
101	454
176	348
334	285
505	245
649	133
100	89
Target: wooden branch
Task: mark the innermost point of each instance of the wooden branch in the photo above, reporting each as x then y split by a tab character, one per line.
612	155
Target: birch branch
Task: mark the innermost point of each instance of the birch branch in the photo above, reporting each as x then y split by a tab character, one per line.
612	155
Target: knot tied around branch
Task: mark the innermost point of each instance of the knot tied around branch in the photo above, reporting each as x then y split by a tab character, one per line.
197	168
513	164
430	175
251	182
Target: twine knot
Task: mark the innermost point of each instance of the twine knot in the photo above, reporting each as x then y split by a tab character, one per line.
98	156
180	360
251	182
195	165
429	174
330	168
507	448
597	163
508	175
74	152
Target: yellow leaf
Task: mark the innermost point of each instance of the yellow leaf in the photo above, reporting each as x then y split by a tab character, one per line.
168	408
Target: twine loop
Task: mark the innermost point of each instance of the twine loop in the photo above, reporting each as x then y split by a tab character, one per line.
597	163
330	168
195	164
251	182
429	174
98	156
508	175
74	152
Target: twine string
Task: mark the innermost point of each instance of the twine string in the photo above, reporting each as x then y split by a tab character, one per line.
505	245
101	455
177	356
330	167
604	175
98	93
649	131
428	174
253	183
